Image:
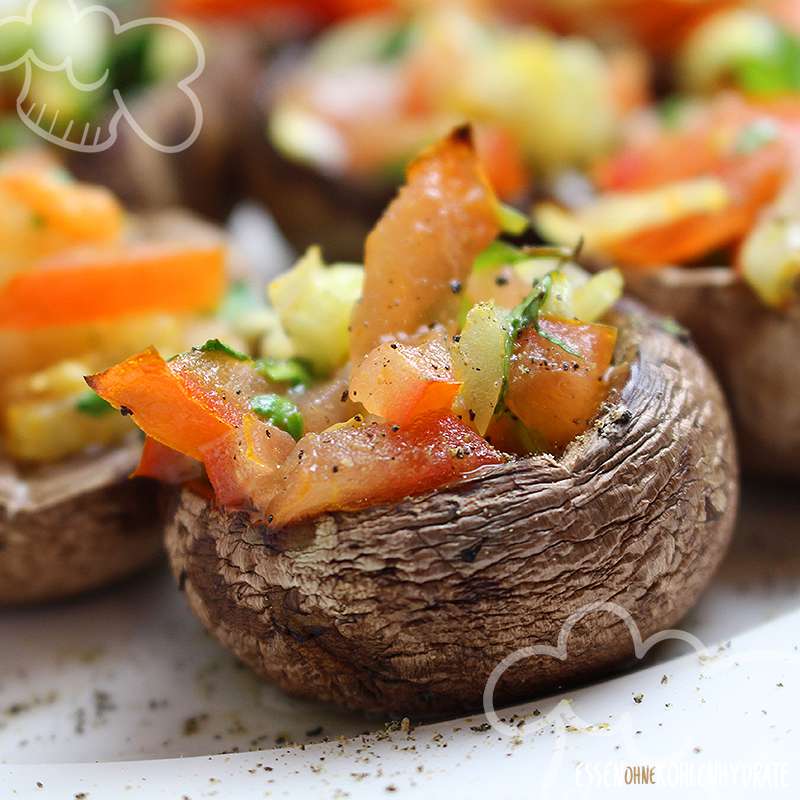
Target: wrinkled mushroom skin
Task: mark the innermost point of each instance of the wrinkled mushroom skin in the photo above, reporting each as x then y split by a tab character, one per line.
753	350
406	609
75	526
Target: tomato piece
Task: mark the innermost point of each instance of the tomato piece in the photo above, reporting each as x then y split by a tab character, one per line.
629	78
243	464
161	404
363	463
705	145
554	393
502	158
752	182
165	464
220	382
319	10
399	382
103	285
671	158
327	403
424	245
502	285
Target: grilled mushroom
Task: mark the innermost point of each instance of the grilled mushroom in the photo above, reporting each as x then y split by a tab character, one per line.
74	526
79	523
407	608
752	348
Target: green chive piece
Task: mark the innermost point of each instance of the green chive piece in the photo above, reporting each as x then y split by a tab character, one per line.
498	254
91	404
772	74
279	411
216	346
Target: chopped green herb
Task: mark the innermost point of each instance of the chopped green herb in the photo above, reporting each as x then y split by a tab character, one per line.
498	254
282	413
776	73
754	136
290	370
216	346
674	328
527	313
238	300
91	404
397	42
671	111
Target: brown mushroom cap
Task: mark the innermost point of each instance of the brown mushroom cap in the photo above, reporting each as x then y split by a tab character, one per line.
74	526
753	350
408	608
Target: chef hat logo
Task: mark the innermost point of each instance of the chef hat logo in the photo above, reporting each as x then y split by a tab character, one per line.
65	54
560	651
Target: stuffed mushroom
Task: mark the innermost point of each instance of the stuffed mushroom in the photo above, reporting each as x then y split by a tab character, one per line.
463	443
702	210
345	115
82	285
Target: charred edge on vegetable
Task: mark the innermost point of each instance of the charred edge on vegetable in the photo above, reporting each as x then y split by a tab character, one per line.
463	135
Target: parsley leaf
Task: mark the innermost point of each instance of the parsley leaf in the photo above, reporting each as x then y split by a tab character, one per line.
216	346
92	404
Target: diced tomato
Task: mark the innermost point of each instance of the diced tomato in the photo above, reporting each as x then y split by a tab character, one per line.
219	382
319	10
243	464
399	382
503	160
165	464
753	181
671	158
360	464
705	145
424	245
554	393
327	403
146	387
501	285
629	78
507	433
107	284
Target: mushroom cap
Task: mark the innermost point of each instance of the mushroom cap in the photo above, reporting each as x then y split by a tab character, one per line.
753	350
407	608
75	526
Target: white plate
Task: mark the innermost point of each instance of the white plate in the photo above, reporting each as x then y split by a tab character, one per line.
103	695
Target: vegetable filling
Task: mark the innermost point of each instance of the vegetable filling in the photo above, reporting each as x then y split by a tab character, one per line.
448	351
